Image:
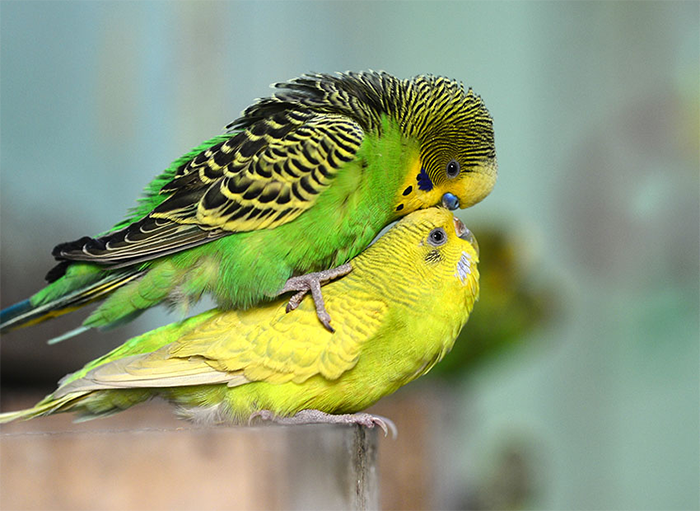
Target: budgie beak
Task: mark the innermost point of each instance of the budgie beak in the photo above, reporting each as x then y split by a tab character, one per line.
466	234
450	201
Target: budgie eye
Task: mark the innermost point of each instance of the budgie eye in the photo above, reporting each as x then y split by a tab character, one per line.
453	168
437	237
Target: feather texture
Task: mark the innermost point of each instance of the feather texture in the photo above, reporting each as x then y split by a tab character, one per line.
301	182
396	315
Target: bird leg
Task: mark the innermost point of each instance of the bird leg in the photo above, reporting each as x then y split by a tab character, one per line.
312	282
318	417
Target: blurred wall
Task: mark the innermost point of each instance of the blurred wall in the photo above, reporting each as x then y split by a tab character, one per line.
596	108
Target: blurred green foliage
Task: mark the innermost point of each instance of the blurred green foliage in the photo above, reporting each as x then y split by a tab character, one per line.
513	301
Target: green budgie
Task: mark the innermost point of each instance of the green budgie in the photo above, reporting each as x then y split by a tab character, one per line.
297	186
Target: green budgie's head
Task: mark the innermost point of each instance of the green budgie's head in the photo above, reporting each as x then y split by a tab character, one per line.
454	163
457	162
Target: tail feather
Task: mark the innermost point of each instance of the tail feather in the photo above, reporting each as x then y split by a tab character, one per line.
46	407
25	313
13	311
68	335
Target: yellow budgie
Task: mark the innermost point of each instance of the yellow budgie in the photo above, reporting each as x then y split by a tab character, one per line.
396	315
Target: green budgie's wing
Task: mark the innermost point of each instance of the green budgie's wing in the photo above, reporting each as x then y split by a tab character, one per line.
240	347
259	178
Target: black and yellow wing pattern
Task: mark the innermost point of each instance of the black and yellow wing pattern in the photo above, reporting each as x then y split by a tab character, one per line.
266	174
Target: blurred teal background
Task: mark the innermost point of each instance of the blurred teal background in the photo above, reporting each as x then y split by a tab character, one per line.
597	118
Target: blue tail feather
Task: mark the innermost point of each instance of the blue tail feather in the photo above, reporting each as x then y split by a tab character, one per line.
25	314
15	310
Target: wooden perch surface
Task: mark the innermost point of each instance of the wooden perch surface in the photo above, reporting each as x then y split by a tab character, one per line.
146	459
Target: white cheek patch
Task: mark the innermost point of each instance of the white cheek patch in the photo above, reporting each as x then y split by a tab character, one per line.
464	268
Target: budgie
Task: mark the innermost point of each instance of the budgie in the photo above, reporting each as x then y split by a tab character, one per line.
296	187
396	315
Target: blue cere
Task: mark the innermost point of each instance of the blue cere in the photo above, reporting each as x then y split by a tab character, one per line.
424	182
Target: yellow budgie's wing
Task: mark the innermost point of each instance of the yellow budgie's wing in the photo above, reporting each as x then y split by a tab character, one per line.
235	348
154	370
291	347
151	370
259	178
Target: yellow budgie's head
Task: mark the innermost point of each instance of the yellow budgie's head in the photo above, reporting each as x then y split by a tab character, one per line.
429	253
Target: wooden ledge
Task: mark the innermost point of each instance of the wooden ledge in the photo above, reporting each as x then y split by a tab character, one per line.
111	464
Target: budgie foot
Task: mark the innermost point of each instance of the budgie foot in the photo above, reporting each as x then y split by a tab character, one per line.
318	417
312	282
